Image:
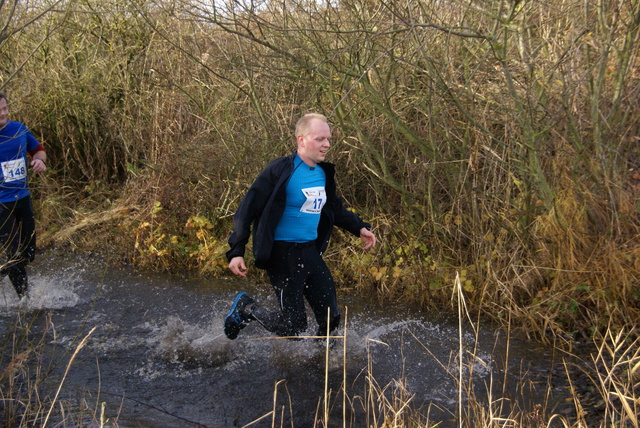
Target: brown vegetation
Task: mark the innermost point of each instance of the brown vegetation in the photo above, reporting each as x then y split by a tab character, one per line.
498	140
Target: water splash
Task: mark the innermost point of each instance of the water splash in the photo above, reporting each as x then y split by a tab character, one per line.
155	331
44	293
193	344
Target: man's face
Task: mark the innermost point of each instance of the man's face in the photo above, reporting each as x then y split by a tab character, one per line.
4	113
313	146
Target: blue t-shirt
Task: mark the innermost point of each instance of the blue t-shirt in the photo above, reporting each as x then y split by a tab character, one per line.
15	142
306	196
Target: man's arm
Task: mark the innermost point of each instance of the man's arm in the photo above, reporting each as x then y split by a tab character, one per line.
38	155
349	221
250	207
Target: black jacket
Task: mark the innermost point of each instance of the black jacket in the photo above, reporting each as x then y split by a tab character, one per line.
264	204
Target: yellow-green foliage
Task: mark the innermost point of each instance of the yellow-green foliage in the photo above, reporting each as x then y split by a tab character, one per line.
160	246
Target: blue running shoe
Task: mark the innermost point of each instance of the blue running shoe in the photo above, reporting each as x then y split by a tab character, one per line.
235	319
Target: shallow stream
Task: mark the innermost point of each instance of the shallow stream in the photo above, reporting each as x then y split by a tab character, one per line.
158	356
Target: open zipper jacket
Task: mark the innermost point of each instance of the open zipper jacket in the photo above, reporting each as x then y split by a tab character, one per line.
263	206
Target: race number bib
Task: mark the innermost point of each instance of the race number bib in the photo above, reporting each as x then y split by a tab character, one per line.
14	170
316	197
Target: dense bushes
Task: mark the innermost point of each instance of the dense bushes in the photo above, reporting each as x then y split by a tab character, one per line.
494	139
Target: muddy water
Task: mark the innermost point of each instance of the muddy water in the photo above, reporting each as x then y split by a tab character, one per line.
158	356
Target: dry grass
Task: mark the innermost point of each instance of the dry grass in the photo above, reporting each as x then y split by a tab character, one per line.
613	374
494	140
25	399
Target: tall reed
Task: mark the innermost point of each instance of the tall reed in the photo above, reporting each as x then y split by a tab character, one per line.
494	139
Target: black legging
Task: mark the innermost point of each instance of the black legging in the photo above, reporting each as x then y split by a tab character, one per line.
298	272
18	238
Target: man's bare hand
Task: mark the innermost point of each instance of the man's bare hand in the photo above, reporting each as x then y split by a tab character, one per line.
238	267
368	238
38	165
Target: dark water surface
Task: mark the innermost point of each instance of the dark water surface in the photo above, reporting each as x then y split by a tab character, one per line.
158	356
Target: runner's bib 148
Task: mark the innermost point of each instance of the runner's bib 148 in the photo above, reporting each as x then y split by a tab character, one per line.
14	170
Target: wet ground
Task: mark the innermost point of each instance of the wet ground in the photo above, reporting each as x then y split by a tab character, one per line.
156	355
